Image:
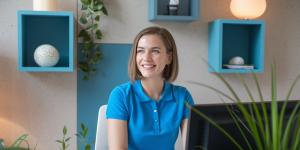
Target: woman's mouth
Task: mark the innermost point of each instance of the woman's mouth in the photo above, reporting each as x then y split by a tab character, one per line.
148	66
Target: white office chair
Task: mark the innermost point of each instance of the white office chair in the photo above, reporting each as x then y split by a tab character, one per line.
101	135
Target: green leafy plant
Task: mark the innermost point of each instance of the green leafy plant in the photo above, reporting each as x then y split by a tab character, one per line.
91	11
64	142
83	137
268	132
16	144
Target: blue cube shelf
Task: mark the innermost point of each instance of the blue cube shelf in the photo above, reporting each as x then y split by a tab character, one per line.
188	10
230	38
45	27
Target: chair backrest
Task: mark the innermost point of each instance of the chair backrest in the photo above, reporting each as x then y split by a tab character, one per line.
101	135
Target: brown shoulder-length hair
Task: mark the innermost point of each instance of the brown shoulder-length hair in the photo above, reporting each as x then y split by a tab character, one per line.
170	71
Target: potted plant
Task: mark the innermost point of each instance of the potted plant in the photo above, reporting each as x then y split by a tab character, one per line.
268	132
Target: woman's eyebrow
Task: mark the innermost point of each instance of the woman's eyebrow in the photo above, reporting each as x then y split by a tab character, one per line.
140	47
155	47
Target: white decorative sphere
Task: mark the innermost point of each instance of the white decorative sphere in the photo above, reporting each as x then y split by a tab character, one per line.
46	55
236	61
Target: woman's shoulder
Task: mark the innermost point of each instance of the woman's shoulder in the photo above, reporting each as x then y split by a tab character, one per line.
179	88
123	88
182	92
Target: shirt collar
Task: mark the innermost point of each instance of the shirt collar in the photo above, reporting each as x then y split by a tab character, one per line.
166	95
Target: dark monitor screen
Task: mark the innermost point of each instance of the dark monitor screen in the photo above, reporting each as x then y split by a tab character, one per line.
203	135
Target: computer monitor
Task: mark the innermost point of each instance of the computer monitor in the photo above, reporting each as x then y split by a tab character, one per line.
203	135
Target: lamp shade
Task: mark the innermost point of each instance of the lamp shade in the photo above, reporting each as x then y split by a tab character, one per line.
248	9
45	5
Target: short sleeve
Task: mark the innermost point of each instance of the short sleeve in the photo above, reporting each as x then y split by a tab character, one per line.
116	108
190	101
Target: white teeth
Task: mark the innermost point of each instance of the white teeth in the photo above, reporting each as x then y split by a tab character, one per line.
148	66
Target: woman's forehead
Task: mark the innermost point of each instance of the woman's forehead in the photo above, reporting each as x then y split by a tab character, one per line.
150	39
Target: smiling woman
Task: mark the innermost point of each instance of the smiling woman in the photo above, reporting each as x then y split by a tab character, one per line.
148	112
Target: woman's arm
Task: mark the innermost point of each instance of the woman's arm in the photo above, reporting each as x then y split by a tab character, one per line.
183	128
117	134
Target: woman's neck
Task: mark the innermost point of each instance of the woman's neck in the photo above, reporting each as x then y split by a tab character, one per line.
153	87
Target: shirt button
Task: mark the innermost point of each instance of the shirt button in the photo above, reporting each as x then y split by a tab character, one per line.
155	120
155	110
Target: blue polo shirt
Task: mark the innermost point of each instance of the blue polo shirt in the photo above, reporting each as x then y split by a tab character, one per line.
151	124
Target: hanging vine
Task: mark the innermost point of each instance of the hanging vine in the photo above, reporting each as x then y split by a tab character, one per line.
91	11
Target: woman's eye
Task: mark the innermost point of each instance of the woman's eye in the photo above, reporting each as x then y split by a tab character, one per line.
155	51
139	50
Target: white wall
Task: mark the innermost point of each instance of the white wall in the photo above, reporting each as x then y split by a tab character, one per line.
41	103
128	17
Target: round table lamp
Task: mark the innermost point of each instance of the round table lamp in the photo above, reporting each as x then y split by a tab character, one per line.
248	9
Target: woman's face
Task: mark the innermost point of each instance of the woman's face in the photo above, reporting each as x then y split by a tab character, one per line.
152	56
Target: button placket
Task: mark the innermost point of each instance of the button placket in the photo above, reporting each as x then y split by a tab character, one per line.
155	117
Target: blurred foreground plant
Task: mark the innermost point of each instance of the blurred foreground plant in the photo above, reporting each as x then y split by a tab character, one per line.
268	130
16	144
82	136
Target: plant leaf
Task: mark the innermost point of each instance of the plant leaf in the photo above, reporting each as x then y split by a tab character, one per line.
296	138
281	117
83	66
98	34
98	7
1	144
104	10
84	35
87	147
59	141
257	117
97	18
65	130
265	114
85	2
84	7
68	139
19	140
82	126
288	126
274	109
85	132
85	77
83	18
237	120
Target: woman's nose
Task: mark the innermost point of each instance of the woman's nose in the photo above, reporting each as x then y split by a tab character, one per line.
147	55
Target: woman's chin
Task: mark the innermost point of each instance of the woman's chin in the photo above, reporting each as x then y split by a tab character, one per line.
151	76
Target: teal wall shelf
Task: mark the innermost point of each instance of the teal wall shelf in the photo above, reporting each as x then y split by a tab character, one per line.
230	38
188	10
45	27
